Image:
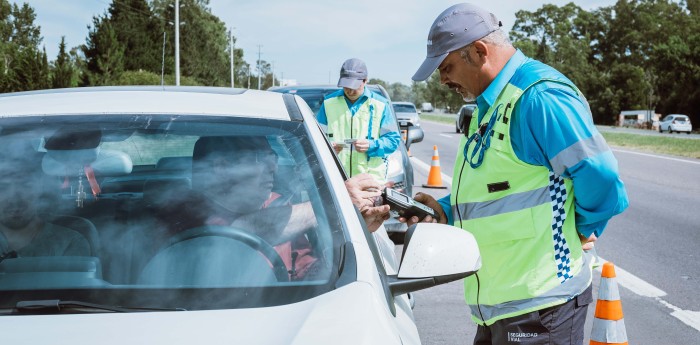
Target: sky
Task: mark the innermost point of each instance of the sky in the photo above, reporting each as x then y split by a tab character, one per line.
308	40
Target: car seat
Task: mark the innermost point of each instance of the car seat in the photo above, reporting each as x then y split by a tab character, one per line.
83	227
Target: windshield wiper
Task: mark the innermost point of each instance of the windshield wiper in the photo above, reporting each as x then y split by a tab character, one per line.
58	305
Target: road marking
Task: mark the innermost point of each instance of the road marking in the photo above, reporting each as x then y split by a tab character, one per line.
642	288
624	278
656	156
446	136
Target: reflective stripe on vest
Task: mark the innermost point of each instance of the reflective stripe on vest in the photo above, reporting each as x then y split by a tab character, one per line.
365	124
515	209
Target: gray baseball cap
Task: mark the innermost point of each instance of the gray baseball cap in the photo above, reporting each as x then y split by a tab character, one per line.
455	28
352	73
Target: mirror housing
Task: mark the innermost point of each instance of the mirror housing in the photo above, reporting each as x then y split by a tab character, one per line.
414	135
434	254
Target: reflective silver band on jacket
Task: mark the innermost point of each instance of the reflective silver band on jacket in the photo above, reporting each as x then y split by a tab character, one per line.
577	152
508	203
385	130
566	291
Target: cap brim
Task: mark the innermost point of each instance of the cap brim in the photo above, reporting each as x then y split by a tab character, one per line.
350	83
428	67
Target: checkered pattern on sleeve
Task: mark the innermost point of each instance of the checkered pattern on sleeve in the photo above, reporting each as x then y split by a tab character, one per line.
562	254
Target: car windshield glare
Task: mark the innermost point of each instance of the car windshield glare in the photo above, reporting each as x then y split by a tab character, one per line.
404	108
164	211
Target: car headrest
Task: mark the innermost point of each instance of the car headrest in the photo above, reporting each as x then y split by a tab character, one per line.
174	164
206	146
69	162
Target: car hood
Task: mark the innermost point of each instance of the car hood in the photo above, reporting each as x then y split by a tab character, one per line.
352	314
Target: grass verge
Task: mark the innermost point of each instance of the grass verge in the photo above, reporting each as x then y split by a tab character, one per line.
441	118
647	143
656	144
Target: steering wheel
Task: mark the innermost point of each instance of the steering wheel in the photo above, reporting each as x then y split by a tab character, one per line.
245	237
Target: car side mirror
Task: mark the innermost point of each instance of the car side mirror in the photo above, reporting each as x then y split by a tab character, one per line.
415	135
434	254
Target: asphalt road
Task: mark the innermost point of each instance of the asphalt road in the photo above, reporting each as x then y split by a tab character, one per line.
653	245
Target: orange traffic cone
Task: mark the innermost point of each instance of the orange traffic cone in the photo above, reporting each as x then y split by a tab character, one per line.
435	176
608	323
404	134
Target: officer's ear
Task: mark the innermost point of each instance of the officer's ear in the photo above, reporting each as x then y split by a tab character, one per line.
481	51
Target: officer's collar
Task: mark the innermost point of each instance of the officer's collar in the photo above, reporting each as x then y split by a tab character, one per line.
488	97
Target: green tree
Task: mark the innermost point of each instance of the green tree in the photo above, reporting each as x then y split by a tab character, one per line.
204	42
139	31
63	71
400	92
104	54
23	65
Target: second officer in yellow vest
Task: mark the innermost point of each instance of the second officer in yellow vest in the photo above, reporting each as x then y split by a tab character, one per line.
359	123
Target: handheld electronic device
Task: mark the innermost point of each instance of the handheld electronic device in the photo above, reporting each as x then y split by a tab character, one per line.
405	206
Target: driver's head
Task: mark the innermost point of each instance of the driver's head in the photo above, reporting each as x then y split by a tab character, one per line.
236	171
20	184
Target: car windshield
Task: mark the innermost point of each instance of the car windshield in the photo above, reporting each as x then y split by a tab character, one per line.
404	108
164	211
313	97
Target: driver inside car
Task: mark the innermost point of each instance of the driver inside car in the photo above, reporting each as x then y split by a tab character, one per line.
23	232
232	182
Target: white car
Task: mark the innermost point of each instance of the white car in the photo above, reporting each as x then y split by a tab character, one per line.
131	251
676	123
406	113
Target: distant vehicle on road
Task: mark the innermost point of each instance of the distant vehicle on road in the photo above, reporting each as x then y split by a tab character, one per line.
406	113
427	107
676	123
464	117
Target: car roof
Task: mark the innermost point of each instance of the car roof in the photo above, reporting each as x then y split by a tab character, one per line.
376	88
177	100
404	103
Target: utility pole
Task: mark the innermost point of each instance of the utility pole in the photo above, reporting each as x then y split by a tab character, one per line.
162	64
273	73
233	80
177	42
259	67
248	85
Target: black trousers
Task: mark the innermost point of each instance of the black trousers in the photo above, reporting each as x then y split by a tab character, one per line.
561	324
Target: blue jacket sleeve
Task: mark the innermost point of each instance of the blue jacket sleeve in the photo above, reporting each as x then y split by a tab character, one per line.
447	208
553	128
321	115
389	137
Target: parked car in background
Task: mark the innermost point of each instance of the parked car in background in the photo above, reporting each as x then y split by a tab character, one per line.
118	169
675	123
400	170
464	116
406	113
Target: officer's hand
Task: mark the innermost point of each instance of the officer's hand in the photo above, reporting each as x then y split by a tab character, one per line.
337	148
362	145
587	243
375	216
429	201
